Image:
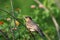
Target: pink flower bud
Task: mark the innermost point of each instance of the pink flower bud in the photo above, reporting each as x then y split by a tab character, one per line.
41	6
33	6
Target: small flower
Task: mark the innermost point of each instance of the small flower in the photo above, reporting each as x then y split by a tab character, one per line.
1	22
33	6
41	6
17	23
8	19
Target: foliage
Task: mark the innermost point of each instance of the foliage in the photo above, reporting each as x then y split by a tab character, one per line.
24	8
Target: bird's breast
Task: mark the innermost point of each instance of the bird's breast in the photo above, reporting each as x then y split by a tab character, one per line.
30	27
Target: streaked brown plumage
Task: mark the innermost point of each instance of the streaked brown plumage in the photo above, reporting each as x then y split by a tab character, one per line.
32	26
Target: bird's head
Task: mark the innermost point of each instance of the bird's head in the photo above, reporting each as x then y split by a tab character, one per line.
27	18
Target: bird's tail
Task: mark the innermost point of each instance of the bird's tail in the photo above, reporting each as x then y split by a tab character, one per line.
41	33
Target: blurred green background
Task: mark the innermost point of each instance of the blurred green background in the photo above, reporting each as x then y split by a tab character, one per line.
16	30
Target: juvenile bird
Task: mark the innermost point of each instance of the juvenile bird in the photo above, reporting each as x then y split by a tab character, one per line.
32	26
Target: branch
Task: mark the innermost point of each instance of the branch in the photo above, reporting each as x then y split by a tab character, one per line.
4	35
11	1
57	26
9	13
53	18
47	36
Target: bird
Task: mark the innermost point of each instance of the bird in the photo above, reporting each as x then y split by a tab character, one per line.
32	26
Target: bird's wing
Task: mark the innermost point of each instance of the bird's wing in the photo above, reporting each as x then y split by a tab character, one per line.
31	25
35	26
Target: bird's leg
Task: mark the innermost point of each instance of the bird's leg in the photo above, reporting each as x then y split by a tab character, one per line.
31	35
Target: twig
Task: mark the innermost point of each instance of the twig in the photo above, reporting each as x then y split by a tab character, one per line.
31	34
4	35
12	11
53	18
14	19
47	36
57	26
8	13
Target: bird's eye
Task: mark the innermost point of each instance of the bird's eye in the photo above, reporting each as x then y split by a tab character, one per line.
26	17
